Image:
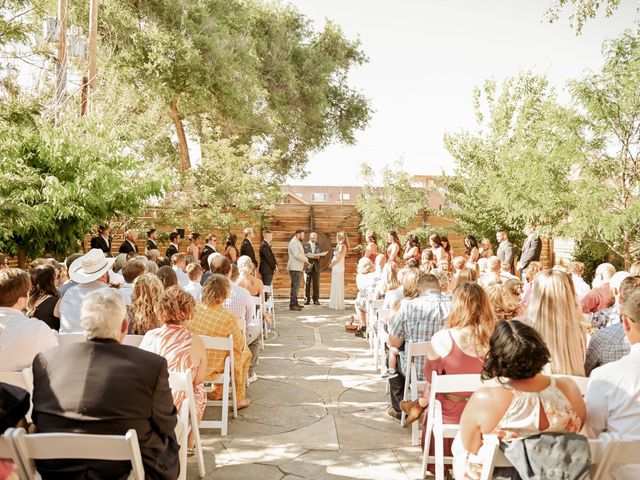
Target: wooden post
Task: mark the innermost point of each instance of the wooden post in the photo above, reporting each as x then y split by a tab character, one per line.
93	45
61	70
85	95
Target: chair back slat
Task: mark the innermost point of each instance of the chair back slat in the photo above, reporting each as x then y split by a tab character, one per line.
217	343
65	338
417	349
49	446
459	383
133	340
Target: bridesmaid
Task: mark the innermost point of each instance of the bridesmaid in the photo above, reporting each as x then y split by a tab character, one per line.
393	247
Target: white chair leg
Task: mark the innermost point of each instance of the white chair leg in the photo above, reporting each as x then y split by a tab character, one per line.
439	447
225	400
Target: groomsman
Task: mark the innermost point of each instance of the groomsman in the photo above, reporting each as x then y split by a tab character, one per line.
152	240
209	245
130	242
312	273
247	246
103	240
268	262
174	238
531	250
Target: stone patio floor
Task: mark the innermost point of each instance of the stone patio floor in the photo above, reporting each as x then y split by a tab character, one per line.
318	411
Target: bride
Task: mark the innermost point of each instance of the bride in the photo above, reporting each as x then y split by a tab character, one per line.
336	299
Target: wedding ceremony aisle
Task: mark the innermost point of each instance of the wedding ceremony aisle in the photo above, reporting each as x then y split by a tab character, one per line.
318	411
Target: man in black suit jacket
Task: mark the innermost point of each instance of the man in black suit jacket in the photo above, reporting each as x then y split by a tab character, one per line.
209	245
312	273
152	240
531	250
103	240
173	246
247	246
268	262
99	386
130	242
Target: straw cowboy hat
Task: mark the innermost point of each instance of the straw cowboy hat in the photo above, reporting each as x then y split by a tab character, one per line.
90	266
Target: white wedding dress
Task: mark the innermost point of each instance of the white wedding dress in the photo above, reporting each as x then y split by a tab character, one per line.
336	298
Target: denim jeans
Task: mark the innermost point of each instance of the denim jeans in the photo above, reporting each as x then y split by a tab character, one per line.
295	286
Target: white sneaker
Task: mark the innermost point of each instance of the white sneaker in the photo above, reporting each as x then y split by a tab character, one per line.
253	378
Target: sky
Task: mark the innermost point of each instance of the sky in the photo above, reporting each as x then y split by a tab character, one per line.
426	57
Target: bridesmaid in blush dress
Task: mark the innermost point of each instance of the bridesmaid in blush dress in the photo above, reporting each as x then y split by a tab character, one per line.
336	298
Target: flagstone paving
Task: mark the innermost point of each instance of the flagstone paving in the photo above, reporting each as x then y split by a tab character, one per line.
318	411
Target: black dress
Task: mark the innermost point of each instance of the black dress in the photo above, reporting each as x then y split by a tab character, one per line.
44	312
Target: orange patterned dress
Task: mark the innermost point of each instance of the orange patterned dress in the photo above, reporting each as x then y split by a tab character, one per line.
173	342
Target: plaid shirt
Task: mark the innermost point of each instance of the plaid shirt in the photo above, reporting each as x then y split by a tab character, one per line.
215	321
239	303
417	321
607	345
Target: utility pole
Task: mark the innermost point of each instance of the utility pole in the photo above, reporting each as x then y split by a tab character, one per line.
93	46
61	65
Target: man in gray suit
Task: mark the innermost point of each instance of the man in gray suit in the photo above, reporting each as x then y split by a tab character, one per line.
297	263
505	249
531	249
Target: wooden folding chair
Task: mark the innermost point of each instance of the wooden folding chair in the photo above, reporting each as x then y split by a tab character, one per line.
413	350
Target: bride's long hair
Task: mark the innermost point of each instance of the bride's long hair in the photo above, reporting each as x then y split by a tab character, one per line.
342	239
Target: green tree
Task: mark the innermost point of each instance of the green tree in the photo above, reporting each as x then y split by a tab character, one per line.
582	12
392	206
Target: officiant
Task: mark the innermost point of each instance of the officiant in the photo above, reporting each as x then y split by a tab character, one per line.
313	252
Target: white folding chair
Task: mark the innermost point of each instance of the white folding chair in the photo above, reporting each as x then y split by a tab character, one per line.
581	382
53	446
182	382
372	310
8	451
133	340
382	316
64	338
495	457
435	424
227	380
22	379
413	350
618	453
270	305
258	317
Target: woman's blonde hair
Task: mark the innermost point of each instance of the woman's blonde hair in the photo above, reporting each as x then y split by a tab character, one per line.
245	266
365	266
471	308
410	283
342	239
175	306
390	277
147	289
216	290
533	269
554	312
504	306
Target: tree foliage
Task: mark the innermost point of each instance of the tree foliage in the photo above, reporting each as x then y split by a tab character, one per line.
582	11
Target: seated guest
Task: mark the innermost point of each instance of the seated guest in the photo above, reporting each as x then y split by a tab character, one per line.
168	276
147	289
458	265
62	289
526	403
213	320
14	405
576	270
183	350
207	273
389	281
600	297
460	348
194	274
416	321
102	387
130	272
43	296
612	395
151	267
532	270
505	272
610	315
179	264
465	275
91	272
21	337
163	261
554	312
366	281
427	261
504	305
492	273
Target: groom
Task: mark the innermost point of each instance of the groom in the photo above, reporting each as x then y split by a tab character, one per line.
312	272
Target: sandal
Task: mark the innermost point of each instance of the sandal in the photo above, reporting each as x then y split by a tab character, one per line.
349	326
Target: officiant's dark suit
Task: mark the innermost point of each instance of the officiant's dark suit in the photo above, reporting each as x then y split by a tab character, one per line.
312	274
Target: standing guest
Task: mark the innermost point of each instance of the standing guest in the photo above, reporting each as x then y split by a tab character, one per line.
531	249
600	297
147	289
576	270
435	242
130	272
103	240
194	274
416	321
554	312
312	251
486	249
183	350
247	246
213	320
394	247
412	249
296	264
613	411
371	249
174	245
152	241
91	272
21	337
230	250
472	253
526	403
610	315
168	276
100	386
447	248
43	296
130	243
194	248
459	348
268	264
336	296
209	245
505	249
179	264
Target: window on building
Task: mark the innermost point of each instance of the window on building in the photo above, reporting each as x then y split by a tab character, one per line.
318	197
345	196
298	194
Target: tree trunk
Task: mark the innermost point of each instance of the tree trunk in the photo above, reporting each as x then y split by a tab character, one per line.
183	148
22	258
627	255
